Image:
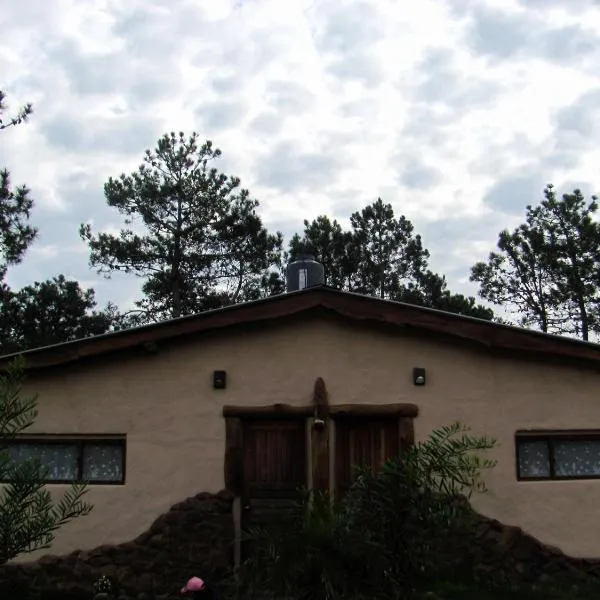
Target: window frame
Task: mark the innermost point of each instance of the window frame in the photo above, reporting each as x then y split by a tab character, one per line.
549	436
79	441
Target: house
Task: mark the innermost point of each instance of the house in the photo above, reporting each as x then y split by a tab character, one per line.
292	390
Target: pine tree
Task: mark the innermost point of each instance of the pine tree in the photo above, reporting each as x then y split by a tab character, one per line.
547	270
380	255
190	232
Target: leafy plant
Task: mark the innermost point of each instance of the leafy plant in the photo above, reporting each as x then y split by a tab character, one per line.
312	553
29	516
384	539
418	501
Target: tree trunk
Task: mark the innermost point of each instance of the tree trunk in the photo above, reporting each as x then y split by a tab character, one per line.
583	319
175	267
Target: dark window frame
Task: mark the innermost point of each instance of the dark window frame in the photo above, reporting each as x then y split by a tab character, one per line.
550	436
79	441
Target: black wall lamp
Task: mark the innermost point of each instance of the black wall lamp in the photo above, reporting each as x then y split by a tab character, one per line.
419	376
219	380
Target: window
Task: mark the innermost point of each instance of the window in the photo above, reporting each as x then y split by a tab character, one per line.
558	455
66	459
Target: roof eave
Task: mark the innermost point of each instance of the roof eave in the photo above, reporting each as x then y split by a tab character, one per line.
353	306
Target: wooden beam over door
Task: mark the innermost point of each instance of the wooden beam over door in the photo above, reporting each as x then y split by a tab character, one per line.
375	411
283	411
271	411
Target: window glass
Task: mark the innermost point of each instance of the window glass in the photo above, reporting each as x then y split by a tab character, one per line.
58	460
102	462
534	458
577	458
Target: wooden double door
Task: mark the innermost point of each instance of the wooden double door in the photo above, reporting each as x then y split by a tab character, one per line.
277	459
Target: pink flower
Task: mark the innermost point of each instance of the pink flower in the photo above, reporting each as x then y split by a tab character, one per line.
195	584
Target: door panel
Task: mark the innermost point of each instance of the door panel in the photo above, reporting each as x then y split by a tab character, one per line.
364	443
274	463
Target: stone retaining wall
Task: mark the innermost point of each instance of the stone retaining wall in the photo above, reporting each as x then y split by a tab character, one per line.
509	555
193	537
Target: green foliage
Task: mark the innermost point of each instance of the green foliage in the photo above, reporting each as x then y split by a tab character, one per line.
573	256
380	255
312	554
417	501
190	232
16	235
45	313
389	253
20	117
49	312
431	290
547	270
332	247
29	516
384	539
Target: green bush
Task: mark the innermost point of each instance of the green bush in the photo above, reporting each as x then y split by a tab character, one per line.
383	539
417	501
311	554
29	515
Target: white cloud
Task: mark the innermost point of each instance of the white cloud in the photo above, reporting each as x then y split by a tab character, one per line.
453	111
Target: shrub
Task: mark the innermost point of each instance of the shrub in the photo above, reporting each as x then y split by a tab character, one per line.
418	501
384	539
312	553
29	516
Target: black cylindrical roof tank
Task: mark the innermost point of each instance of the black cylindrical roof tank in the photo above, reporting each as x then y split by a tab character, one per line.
304	272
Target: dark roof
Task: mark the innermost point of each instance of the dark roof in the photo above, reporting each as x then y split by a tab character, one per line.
357	307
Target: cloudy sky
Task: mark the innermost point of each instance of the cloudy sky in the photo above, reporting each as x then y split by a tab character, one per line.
457	112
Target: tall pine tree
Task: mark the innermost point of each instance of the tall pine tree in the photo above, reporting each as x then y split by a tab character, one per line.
380	255
190	232
16	233
389	253
547	270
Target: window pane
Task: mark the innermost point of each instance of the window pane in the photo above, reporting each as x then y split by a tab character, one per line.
534	459
576	458
103	462
59	460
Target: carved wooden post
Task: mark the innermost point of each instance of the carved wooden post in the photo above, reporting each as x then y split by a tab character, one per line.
320	438
234	476
234	480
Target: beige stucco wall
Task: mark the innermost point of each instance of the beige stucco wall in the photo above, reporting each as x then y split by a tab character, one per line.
175	432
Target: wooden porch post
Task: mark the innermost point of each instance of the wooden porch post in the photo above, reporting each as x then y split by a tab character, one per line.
319	438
